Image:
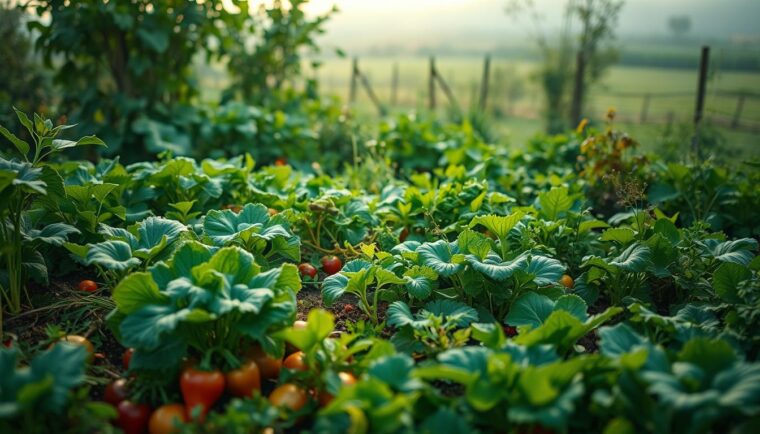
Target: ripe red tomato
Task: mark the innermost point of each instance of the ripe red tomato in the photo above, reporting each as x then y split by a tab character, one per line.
346	379
243	381
166	418
307	269
288	395
88	286
567	281
280	162
126	358
269	367
133	417
201	388
331	264
295	361
116	391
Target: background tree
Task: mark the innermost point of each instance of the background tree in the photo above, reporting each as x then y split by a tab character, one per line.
22	80
590	47
270	49
595	51
124	67
679	25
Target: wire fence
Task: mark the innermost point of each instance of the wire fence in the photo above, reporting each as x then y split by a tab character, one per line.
649	96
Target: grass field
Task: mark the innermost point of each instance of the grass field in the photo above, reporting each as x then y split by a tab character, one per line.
515	98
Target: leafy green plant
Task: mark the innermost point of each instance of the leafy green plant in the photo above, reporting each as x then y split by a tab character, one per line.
125	249
254	230
438	326
357	277
35	398
23	180
203	300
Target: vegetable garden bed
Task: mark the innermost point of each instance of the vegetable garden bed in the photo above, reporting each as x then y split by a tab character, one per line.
574	287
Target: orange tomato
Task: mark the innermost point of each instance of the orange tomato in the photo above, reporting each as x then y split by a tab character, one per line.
242	382
269	367
288	395
166	418
567	281
296	361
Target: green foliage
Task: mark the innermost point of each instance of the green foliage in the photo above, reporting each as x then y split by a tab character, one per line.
24	180
203	300
140	55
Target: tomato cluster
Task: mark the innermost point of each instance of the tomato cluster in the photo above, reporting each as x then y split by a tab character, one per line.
202	389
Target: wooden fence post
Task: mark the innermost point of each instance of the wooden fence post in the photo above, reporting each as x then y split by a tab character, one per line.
700	105
431	84
447	90
576	107
484	84
644	108
738	112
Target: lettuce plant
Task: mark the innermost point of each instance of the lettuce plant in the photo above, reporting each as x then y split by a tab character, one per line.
204	300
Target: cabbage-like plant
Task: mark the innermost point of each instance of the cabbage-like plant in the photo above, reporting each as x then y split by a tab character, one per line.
207	301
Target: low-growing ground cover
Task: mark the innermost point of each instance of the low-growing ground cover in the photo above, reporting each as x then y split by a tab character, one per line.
434	284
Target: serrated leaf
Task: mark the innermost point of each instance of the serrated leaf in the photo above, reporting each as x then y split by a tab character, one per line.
727	278
498	225
554	202
443	257
111	255
636	258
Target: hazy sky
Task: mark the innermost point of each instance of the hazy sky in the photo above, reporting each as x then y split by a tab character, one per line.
366	23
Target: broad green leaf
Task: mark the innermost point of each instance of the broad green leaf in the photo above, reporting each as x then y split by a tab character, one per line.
530	309
443	257
419	281
54	233
111	255
736	251
545	271
636	258
619	235
588	225
319	325
498	225
384	277
135	291
667	229
711	355
460	313
554	202
727	278
21	145
573	304
495	269
64	364
27	177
